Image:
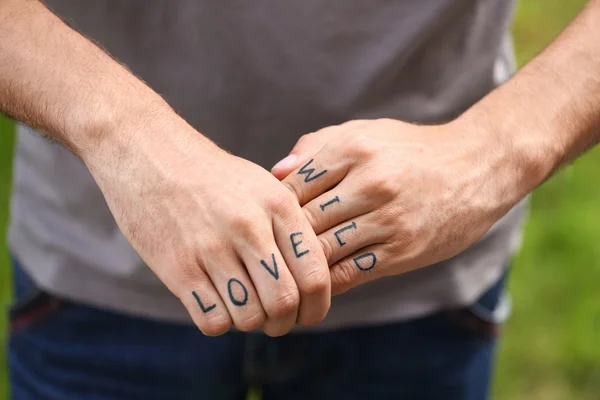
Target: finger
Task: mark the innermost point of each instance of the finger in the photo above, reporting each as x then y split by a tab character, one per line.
362	266
305	259
235	287
308	145
353	235
274	284
316	176
336	206
204	304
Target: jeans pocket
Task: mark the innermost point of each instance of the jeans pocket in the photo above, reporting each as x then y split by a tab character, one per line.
486	315
30	304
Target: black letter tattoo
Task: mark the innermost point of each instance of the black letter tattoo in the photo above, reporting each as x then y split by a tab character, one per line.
373	261
337	234
330	202
296	244
309	172
202	306
235	301
274	271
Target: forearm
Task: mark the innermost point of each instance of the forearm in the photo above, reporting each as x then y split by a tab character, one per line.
549	113
60	83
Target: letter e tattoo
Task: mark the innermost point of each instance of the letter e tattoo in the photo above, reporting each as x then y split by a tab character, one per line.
296	244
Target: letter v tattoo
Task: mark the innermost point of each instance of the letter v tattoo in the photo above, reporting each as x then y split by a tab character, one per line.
274	271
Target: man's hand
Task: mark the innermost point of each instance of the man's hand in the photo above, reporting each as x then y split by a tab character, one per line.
222	233
386	197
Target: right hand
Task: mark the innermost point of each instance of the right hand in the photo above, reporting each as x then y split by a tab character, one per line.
224	235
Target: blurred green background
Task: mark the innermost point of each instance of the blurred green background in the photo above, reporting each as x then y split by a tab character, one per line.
550	345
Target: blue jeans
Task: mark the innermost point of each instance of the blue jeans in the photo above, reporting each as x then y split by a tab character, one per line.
60	350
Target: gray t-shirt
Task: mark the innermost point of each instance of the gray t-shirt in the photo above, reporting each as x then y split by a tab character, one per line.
254	76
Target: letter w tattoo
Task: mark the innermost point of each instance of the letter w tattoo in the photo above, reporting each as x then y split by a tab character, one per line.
309	172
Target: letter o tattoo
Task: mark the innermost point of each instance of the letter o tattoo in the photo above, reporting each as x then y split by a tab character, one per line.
235	301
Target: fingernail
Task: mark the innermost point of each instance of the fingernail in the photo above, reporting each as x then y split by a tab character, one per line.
286	163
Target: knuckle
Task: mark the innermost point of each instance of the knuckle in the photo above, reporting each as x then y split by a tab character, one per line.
177	281
313	319
327	248
367	190
316	314
214	246
276	327
293	186
344	273
407	237
180	280
253	238
309	213
252	322
381	186
281	203
275	331
216	325
179	267
386	187
247	228
304	141
316	282
388	219
242	222
362	146
287	303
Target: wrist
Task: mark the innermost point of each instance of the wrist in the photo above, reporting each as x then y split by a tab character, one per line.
110	118
512	163
145	132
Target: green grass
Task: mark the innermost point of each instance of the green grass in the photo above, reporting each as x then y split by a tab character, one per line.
6	146
549	349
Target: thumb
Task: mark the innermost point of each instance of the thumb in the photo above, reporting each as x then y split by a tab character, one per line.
307	146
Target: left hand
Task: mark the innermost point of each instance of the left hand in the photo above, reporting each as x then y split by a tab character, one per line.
386	197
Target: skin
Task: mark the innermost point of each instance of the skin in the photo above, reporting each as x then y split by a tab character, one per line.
409	196
211	226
